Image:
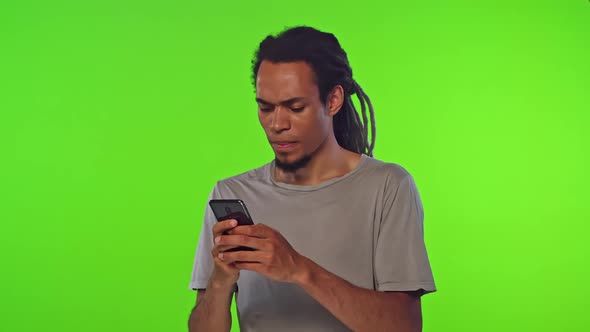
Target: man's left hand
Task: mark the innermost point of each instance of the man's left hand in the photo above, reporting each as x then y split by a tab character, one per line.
272	257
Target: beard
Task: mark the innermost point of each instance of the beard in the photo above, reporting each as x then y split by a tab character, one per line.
294	165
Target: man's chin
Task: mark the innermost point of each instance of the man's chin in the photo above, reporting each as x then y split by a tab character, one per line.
287	164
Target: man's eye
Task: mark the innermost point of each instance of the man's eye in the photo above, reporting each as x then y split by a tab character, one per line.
297	109
265	109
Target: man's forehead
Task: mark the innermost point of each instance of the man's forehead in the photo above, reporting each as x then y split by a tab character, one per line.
282	81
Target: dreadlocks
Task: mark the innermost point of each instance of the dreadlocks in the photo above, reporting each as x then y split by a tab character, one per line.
329	62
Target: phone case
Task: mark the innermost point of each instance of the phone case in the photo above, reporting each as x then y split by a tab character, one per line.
224	209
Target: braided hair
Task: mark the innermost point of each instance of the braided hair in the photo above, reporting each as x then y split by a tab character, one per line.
329	62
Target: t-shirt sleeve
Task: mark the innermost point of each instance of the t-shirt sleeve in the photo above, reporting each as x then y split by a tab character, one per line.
203	262
401	260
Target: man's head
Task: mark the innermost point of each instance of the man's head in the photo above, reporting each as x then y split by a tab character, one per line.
303	87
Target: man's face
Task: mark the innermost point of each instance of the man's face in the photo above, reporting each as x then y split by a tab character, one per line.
290	111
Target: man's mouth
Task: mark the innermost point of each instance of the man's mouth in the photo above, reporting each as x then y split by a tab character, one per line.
283	145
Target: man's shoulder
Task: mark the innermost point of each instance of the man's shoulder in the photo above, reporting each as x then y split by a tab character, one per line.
386	171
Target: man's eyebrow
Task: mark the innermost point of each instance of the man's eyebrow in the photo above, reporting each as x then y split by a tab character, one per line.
284	102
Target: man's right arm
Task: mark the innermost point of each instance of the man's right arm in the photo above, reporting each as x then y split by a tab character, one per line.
212	311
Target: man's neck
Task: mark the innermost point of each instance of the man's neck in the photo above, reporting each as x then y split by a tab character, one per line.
328	162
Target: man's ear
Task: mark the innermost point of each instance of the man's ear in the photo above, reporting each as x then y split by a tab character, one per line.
335	100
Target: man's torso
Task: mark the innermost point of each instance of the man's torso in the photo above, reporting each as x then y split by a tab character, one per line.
335	224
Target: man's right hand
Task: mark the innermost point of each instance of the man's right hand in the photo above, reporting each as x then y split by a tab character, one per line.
224	274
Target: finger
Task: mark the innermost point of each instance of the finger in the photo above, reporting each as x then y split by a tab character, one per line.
219	248
243	256
259	230
223	226
241	240
225	248
256	267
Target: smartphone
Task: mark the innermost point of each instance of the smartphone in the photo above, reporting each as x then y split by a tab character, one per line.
224	209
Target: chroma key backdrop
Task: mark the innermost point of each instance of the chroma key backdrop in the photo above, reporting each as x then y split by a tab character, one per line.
118	117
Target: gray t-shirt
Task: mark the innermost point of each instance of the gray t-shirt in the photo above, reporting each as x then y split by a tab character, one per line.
365	226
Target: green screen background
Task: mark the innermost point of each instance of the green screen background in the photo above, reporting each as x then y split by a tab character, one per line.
117	118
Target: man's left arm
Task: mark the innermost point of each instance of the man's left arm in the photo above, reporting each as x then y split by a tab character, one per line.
358	308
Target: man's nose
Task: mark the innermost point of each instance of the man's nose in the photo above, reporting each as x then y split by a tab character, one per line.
280	119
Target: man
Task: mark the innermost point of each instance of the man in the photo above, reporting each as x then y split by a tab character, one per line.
338	241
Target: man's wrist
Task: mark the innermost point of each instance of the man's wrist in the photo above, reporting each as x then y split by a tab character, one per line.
305	272
220	286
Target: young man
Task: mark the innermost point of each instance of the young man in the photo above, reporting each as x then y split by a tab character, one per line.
338	239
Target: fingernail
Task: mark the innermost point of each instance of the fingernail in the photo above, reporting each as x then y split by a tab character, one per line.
234	223
220	256
217	239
